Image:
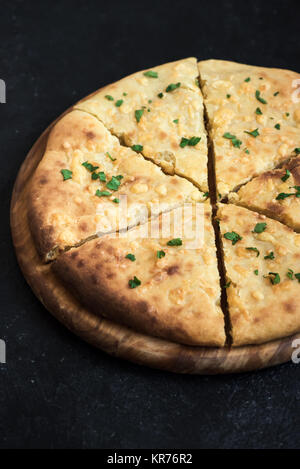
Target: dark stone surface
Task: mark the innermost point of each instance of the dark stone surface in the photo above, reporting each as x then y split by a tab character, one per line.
56	391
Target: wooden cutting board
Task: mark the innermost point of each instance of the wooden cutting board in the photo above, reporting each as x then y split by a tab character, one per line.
111	337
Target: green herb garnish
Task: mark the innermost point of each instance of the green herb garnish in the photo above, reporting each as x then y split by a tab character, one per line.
160	95
191	142
137	147
131	257
160	254
138	114
274	278
260	227
135	282
290	274
110	157
235	141
270	256
102	193
89	166
255	250
172	87
116	201
286	176
258	111
176	121
298	277
276	94
100	175
114	183
247	79
259	98
253	133
175	242
227	285
151	74
233	236
256	272
277	126
119	102
297	151
109	97
67	174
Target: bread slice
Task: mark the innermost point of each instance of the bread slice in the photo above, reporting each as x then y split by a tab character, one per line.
154	278
161	111
262	262
86	178
275	194
254	119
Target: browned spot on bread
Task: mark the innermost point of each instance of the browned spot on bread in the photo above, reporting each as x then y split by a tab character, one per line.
289	306
172	270
275	208
94	279
90	135
83	226
162	135
74	254
110	275
43	180
175	145
80	263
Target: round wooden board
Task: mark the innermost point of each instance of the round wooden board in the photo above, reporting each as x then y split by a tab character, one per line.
111	337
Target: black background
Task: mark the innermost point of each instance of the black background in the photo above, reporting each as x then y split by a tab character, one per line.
56	391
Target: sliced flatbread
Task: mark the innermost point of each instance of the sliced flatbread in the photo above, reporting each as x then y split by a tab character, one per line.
262	261
161	110
254	118
154	284
79	186
275	194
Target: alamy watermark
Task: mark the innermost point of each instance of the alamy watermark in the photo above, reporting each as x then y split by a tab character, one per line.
2	92
2	351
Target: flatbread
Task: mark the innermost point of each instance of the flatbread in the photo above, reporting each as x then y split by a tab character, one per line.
163	119
274	194
64	212
242	98
260	310
178	297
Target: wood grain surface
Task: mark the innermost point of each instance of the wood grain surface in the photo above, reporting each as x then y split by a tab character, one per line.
111	337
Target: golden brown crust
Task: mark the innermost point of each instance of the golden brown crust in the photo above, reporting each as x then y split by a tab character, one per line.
261	194
232	105
260	311
63	213
178	298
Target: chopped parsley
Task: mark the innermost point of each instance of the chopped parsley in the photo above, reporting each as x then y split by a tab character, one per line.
270	256
287	114
258	111
276	94
160	254
256	272
233	236
235	141
228	96
114	183
197	83
89	166
298	277
138	114
206	194
116	201
255	250
172	87
119	102
137	147
175	242
290	274
102	193
260	228
277	126
131	257
176	121
227	285
283	196
151	74
191	142
259	98
297	151
274	278
109	97
247	79
135	282
67	174
110	157
247	151
100	175
160	95
286	176
253	133
124	94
